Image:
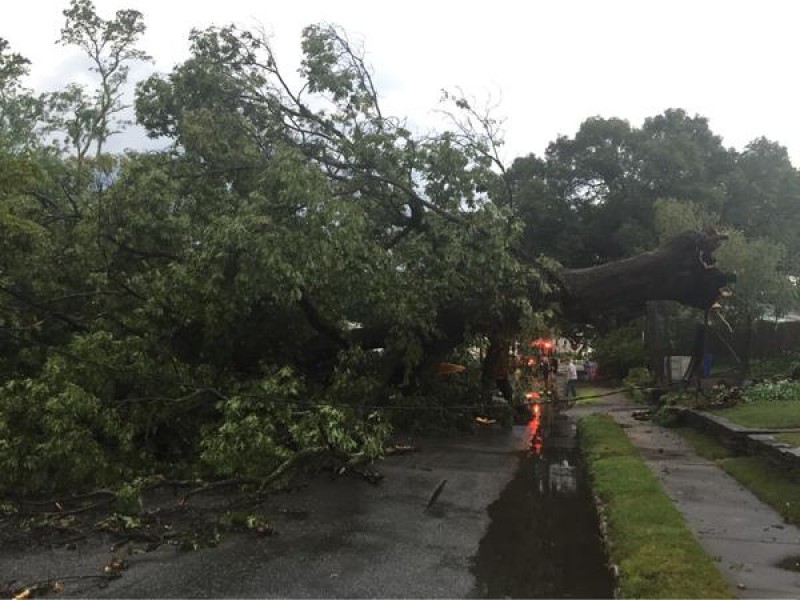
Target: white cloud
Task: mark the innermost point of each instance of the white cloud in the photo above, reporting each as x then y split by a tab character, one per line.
553	63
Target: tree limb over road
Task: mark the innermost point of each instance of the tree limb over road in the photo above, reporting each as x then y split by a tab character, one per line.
681	270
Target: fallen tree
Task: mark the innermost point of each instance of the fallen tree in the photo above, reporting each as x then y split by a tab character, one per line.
682	270
292	262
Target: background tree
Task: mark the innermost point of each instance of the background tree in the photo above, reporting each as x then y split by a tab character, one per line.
19	109
763	195
762	286
603	183
111	47
613	190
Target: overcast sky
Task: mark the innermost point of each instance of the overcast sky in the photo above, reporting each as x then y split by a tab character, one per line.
548	64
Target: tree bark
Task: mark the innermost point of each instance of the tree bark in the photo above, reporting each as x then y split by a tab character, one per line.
682	270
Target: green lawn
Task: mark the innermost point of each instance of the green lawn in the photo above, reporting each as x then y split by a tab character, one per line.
657	554
704	445
772	485
766	414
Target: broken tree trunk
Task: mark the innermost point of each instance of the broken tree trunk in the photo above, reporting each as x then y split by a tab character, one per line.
682	270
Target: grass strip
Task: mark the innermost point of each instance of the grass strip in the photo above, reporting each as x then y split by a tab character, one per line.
657	555
766	414
772	485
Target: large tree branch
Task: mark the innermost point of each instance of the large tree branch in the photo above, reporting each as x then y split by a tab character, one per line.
681	270
319	323
25	298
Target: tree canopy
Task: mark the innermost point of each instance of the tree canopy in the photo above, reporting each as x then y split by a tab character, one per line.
279	280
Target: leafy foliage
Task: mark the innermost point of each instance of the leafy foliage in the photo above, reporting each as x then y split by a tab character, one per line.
620	350
613	190
775	391
634	382
55	437
763	285
256	292
286	273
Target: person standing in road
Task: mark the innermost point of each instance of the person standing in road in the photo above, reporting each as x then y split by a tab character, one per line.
572	379
544	372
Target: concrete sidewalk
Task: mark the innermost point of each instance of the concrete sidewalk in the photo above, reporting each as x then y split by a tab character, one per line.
745	536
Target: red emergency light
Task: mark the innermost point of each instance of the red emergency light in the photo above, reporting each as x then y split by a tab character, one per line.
542	343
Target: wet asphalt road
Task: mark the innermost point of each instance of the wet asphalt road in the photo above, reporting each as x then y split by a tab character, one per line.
358	540
379	541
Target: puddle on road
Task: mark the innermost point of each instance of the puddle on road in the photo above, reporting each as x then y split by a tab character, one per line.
790	563
543	540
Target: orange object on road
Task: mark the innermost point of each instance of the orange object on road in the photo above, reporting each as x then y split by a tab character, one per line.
444	368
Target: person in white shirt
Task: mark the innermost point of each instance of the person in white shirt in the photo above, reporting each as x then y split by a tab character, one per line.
572	379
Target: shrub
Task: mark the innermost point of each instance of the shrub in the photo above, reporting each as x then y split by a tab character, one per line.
635	382
772	391
620	350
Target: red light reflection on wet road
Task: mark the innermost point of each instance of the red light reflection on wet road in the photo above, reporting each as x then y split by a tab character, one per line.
534	430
